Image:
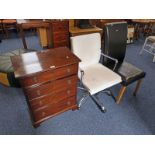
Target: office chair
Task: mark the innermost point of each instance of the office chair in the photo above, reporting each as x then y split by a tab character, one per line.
94	76
115	37
149	46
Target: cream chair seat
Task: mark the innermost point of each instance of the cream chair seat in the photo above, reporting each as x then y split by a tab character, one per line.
98	77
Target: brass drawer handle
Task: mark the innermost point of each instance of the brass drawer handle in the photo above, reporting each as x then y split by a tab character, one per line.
68	92
68	102
38	92
69	81
43	114
35	79
52	67
68	70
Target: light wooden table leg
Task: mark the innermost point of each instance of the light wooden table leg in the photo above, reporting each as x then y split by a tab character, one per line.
137	87
121	93
22	35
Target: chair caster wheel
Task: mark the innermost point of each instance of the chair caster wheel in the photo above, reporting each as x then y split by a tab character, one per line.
108	94
103	110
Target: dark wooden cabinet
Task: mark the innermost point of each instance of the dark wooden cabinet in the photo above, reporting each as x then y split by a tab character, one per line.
49	80
60	33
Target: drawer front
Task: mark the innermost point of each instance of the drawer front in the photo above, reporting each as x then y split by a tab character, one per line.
60	36
37	79
43	102
49	75
66	71
52	87
54	109
60	26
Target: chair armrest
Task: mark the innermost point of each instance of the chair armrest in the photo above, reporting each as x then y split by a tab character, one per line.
109	57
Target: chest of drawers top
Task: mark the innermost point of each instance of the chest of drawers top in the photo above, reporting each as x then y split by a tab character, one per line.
31	63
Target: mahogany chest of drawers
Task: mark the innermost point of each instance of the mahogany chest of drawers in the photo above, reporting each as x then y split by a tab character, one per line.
49	81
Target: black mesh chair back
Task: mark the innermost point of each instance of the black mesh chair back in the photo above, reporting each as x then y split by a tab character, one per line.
115	38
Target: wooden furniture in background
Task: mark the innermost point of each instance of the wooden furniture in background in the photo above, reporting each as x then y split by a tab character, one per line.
1	28
35	23
60	33
49	80
101	22
42	33
8	24
130	34
75	31
71	23
143	26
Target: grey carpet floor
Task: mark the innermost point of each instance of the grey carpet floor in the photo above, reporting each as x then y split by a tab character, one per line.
134	116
